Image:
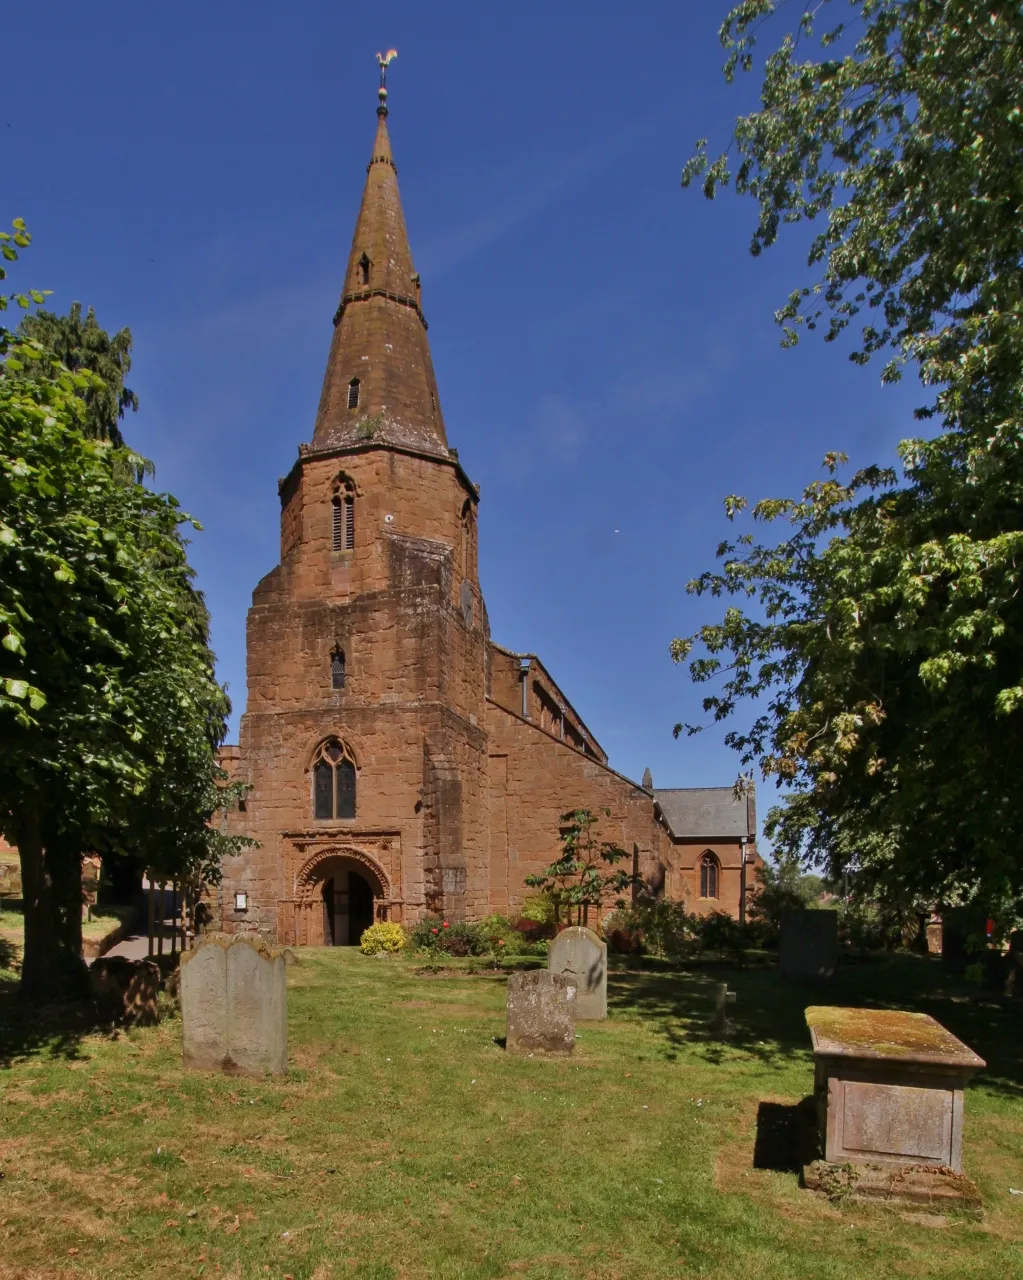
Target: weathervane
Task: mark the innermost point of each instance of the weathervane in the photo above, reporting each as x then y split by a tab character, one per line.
384	60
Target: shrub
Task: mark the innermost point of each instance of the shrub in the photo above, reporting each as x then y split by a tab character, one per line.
453	938
383	937
719	932
658	926
538	908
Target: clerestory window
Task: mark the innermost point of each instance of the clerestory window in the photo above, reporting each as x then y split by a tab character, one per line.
333	781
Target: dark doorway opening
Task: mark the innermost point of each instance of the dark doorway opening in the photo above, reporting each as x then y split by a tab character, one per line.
360	907
347	909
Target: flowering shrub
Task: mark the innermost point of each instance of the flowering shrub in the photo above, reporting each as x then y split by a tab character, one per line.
385	936
452	937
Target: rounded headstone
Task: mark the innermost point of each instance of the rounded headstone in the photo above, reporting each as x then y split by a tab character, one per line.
581	957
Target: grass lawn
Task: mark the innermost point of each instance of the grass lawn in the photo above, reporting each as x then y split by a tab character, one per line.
404	1142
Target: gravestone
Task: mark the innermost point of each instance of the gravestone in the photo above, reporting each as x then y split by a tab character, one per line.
809	945
722	999
580	956
541	1013
234	1013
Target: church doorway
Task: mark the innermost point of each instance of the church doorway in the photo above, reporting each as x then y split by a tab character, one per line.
347	906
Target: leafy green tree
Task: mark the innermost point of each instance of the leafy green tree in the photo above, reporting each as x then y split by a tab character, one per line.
882	639
586	872
110	712
79	344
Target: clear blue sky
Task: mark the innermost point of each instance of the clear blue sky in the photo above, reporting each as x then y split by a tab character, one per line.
608	363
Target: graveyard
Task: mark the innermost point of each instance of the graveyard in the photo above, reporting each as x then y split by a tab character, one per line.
404	1140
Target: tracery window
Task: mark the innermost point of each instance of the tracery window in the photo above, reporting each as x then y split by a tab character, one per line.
334	781
709	868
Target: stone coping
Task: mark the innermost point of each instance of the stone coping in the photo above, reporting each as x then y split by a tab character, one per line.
887	1035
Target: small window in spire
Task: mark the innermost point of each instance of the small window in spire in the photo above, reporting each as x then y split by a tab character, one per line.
365	270
353	394
337	669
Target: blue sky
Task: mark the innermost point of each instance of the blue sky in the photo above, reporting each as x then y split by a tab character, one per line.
604	343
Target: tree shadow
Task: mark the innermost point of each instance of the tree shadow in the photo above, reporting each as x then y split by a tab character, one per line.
51	1031
767	1020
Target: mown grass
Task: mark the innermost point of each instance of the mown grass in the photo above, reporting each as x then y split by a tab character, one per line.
104	921
404	1141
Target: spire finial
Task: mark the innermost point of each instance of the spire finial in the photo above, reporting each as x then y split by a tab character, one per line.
384	60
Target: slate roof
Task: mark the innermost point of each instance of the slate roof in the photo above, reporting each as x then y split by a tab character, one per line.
706	813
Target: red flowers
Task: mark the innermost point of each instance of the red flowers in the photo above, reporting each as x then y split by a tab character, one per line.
446	926
433	930
500	942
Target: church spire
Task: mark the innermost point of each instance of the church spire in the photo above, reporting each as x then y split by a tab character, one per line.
379	383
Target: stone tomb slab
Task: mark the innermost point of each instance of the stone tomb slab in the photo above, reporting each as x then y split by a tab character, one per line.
581	957
234	1013
889	1087
541	1013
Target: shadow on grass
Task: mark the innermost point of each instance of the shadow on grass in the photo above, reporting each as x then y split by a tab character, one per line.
768	1022
786	1136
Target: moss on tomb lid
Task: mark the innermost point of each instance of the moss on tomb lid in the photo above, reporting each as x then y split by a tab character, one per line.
886	1033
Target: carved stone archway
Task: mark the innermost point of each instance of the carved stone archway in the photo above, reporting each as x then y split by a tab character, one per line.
301	919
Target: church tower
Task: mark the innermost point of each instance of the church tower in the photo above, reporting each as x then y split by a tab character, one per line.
364	738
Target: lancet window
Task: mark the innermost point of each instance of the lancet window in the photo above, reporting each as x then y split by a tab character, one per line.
342	531
337	669
709	872
353	394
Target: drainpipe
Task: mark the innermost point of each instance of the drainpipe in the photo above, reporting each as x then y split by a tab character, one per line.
524	673
742	883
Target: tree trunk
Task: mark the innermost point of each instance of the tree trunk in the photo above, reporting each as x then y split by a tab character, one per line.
51	877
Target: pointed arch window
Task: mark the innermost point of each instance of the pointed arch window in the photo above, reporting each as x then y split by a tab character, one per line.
365	270
337	669
334	776
342	528
710	870
353	394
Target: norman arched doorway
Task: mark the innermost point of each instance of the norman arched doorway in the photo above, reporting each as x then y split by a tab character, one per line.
346	893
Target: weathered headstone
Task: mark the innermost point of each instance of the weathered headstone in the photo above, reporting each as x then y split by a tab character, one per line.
809	945
722	999
580	956
541	1013
234	1012
126	990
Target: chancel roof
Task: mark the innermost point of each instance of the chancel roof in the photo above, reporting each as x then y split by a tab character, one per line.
706	813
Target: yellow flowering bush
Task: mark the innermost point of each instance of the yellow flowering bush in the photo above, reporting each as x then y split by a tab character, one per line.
382	937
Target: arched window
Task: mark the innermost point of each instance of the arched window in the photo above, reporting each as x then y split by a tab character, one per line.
337	669
353	394
365	270
709	868
333	781
343	522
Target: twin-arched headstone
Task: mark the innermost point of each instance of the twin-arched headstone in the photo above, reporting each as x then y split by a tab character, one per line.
580	956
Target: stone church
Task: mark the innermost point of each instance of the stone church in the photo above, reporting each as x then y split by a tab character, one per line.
401	762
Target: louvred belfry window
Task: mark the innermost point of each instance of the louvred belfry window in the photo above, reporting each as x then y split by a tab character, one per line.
334	781
353	394
343	523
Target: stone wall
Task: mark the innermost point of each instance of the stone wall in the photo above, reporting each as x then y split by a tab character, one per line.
534	778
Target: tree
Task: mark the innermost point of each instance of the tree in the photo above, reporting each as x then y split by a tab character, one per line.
884	646
110	712
585	872
79	344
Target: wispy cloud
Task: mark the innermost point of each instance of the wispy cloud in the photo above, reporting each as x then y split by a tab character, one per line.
452	249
